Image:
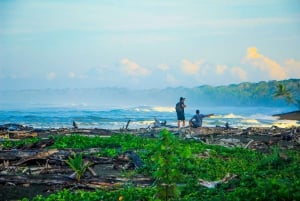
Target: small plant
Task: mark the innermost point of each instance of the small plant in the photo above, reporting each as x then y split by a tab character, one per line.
78	165
167	162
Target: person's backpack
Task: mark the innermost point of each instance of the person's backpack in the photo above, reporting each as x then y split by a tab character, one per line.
178	107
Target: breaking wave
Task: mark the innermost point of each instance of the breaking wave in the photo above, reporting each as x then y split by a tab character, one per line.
140	117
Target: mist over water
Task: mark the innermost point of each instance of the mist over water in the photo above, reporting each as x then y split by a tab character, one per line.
112	108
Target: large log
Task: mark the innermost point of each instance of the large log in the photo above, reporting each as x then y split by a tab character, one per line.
94	182
40	155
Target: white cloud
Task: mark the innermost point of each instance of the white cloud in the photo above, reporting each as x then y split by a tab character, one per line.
221	69
71	75
163	67
51	76
133	69
189	67
171	79
265	64
240	73
293	68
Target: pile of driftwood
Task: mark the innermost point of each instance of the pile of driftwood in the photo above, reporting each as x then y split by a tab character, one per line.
257	138
39	165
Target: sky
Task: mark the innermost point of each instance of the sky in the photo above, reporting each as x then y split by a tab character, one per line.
147	44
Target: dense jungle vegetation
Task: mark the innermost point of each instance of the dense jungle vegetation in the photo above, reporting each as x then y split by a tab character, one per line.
246	94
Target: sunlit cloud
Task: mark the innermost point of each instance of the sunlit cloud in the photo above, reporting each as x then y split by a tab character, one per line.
163	67
293	68
221	69
265	64
171	79
51	76
71	75
240	73
189	67
17	75
133	69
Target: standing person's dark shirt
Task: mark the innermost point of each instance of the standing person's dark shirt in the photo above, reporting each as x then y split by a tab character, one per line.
180	111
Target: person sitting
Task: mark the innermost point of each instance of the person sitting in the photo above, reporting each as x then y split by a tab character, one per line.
196	120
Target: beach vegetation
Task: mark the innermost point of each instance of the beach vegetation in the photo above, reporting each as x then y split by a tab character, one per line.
177	167
78	165
166	159
14	144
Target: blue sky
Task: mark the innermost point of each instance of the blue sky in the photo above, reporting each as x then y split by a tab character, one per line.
147	44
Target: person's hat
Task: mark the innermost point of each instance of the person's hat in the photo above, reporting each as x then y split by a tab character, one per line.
181	98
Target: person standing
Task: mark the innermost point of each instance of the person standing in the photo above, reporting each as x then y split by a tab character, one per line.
196	120
180	112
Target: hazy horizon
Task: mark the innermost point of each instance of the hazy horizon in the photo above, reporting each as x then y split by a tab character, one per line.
108	97
135	89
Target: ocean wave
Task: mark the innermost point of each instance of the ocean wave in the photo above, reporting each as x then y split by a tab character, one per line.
163	109
250	121
286	123
153	109
263	117
232	116
140	117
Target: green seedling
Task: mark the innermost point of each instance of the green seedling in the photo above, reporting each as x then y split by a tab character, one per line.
78	165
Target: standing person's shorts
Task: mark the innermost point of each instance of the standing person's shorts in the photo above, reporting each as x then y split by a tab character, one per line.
180	116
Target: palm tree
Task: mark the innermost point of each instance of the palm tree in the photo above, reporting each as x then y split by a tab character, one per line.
283	92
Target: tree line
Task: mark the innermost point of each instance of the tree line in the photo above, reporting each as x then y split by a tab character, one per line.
264	93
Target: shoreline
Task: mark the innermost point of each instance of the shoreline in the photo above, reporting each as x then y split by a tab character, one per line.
294	115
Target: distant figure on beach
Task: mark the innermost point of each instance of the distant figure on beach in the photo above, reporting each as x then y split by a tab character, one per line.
180	112
196	120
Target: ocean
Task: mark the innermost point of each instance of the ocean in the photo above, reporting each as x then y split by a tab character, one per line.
140	116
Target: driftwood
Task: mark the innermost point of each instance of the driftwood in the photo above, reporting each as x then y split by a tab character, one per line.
126	128
128	160
34	164
25	166
21	134
66	181
247	145
26	154
40	155
50	180
213	184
